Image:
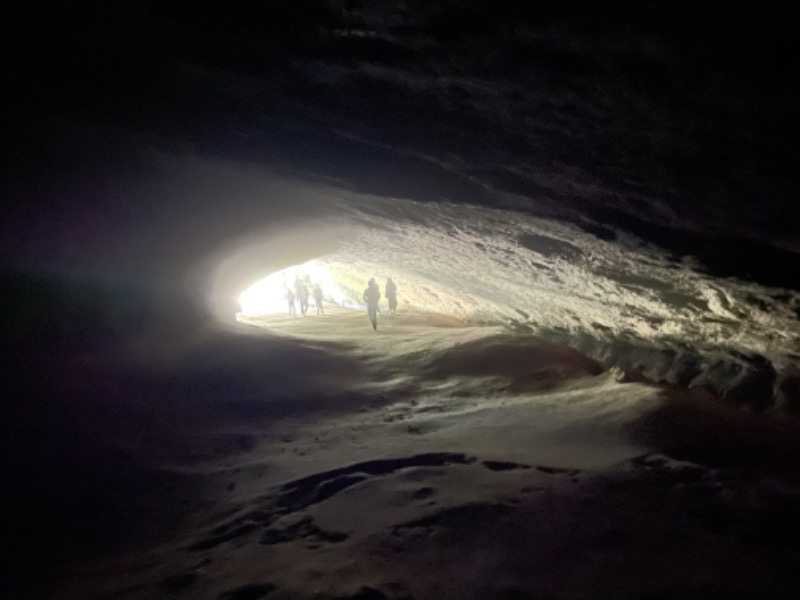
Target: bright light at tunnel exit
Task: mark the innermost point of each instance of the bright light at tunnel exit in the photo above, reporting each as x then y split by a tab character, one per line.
268	295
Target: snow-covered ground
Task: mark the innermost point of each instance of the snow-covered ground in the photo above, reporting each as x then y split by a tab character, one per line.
318	458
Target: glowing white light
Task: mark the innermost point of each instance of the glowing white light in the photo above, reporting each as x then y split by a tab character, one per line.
268	295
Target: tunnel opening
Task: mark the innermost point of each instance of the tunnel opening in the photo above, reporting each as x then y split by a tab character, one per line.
268	296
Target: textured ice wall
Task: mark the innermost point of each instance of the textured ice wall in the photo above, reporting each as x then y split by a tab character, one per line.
619	300
481	263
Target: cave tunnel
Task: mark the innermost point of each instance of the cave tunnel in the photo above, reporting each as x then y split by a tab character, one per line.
590	387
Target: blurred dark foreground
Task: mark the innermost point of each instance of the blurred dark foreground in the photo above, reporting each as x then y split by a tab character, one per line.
104	390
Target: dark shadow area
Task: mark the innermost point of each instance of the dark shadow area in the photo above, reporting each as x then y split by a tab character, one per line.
708	431
719	255
529	364
550	247
102	392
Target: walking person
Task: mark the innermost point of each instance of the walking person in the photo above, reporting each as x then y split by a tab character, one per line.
289	294
301	291
372	296
318	299
391	295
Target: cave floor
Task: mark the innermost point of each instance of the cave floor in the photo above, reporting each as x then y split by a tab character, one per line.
411	462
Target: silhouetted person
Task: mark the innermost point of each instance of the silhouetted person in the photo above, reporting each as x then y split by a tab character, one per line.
302	295
290	299
372	296
391	294
318	299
